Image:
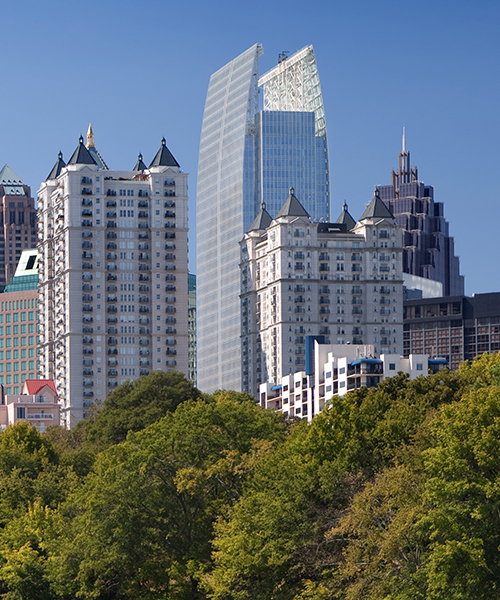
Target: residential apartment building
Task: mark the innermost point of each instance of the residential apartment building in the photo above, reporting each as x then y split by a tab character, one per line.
338	369
429	249
248	156
457	328
342	281
113	274
17	222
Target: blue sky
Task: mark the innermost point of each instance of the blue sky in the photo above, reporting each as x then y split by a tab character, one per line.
139	71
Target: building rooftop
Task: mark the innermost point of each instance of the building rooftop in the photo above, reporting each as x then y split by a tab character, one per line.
163	158
377	209
292	207
13	185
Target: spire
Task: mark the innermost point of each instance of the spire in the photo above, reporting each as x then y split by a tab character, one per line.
90	137
292	207
404	140
139	166
377	209
164	157
57	168
345	218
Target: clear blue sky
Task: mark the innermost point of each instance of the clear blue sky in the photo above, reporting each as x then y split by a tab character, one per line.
139	71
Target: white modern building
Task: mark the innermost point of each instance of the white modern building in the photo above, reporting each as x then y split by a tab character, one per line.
113	277
339	369
248	156
342	282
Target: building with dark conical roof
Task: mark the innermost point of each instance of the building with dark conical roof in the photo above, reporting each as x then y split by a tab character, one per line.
113	274
17	222
341	283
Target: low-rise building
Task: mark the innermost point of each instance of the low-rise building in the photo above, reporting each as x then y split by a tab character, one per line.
38	404
338	369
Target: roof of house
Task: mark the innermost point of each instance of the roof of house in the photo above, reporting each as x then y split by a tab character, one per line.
261	221
33	386
346	218
57	168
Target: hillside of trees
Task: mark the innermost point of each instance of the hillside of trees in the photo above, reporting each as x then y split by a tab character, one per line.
166	493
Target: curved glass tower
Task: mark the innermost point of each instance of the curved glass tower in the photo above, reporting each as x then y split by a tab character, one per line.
246	158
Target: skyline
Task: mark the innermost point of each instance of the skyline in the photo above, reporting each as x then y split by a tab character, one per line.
429	68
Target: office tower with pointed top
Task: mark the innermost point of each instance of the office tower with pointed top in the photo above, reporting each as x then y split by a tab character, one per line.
429	249
17	222
113	286
249	158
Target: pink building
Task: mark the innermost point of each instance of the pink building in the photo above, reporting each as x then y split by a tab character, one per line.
38	404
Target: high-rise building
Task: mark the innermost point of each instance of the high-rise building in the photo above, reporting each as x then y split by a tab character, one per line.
17	222
342	281
18	325
113	274
429	248
248	157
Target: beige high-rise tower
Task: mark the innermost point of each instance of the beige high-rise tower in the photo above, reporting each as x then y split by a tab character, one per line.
113	274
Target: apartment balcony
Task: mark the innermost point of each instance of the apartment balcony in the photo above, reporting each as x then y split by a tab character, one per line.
143	235
143	372
169	214
112	309
143	214
143	193
111	235
169	235
143	352
143	320
87	351
112	330
111	214
112	362
86	180
111	224
112	373
111	203
110	192
87	308
87	202
169	203
86	212
85	328
142	204
143	309
86	191
111	256
86	223
169	193
113	319
112	298
112	351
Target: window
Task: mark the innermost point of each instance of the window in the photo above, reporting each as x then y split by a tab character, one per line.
420	367
392	366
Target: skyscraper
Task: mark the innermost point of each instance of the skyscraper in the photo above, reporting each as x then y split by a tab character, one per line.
248	158
113	274
17	222
342	281
429	248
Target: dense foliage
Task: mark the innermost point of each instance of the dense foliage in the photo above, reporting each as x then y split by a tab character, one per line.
389	494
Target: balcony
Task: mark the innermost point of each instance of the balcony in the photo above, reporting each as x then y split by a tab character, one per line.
111	224
112	256
111	266
143	352
87	362
87	298
143	256
87	202
143	194
143	277
112	362
171	352
111	214
112	373
143	309
111	246
86	212
169	193
88	393
87	329
112	351
111	235
169	203
169	224
112	309
86	223
142	225
169	235
143	341
169	214
112	298
87	308
112	319
110	192
112	277
111	203
87	350
87	265
86	180
87	339
112	330
143	372
86	191
143	235
143	320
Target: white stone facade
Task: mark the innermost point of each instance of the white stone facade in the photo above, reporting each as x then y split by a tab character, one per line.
300	278
113	279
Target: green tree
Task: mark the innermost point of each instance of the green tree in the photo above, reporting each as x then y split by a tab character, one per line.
136	404
143	520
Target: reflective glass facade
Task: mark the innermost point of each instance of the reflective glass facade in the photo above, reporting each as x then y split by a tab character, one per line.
289	153
227	120
246	158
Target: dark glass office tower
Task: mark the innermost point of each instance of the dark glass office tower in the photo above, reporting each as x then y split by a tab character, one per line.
429	248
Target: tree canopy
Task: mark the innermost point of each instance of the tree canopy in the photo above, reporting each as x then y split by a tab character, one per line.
389	494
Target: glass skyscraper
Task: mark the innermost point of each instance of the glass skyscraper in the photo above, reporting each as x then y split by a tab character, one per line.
246	158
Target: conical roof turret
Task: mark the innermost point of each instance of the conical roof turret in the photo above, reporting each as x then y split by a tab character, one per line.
345	218
81	156
57	168
262	220
377	209
164	158
139	165
292	207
